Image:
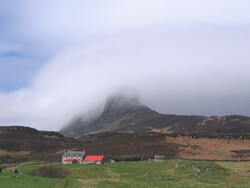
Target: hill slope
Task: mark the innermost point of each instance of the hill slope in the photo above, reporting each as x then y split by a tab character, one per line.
123	114
18	143
120	114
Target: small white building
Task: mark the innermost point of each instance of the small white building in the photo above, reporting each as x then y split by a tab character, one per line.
71	157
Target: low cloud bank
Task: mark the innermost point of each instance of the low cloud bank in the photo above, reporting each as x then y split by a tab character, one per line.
191	72
183	57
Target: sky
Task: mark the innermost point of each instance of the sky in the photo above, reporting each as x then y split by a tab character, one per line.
62	58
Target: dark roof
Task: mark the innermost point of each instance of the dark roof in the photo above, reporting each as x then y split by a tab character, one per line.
74	154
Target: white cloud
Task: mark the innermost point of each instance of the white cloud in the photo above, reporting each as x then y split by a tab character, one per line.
63	22
186	57
179	73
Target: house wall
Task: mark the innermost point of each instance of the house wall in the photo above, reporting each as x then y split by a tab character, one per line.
78	160
92	162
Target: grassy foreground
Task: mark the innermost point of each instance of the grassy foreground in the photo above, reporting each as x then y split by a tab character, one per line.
172	173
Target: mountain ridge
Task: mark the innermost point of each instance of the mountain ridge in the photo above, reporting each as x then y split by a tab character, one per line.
127	114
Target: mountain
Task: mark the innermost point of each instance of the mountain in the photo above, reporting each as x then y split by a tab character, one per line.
180	124
127	129
127	114
120	114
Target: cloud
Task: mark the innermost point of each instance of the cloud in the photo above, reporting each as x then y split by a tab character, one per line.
60	22
180	57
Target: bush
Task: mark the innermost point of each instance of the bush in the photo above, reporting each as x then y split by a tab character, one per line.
51	172
127	158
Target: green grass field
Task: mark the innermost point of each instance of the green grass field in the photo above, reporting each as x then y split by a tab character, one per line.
172	173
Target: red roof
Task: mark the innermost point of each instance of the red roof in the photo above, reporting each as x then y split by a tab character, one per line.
93	158
70	159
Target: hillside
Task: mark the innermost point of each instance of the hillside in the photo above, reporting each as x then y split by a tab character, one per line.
123	114
120	113
146	145
24	144
179	124
18	143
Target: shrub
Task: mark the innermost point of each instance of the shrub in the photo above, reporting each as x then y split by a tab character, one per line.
51	172
127	158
